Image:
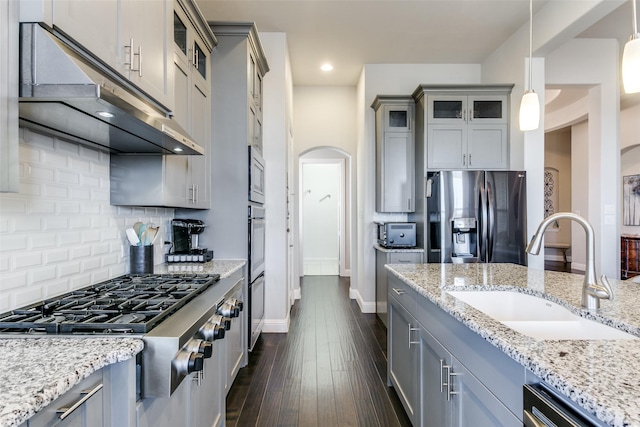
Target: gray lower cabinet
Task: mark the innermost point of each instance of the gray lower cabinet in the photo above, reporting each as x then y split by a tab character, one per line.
445	374
105	398
206	391
383	257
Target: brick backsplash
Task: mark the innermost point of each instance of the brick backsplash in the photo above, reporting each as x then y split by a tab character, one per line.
59	232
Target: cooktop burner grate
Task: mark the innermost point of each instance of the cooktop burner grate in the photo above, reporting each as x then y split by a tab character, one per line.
126	304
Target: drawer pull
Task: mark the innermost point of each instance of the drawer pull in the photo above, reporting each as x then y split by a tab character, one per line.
66	411
399	291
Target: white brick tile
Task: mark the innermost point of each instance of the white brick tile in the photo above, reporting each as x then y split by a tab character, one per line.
91	264
102	275
80	252
68	208
90	181
55	223
55	191
56	256
80	164
12	205
100	249
4	225
67	147
90	236
42	240
69	269
112	259
29	295
100	222
80	281
102	196
90	208
25	260
67	177
55	288
13	281
38	140
28	224
42	274
54	159
91	154
38	172
100	169
82	194
5	302
118	269
41	206
110	234
30	189
13	243
78	222
28	153
4	264
69	238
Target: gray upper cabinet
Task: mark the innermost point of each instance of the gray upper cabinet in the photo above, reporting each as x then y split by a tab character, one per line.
176	181
9	172
395	153
466	127
130	36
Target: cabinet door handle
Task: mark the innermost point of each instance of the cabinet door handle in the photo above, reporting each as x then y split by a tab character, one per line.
442	383
66	411
470	114
464	160
450	392
399	291
410	331
409	203
131	54
469	159
139	61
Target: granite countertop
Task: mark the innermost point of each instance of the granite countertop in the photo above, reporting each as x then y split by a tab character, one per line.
380	248
599	375
223	267
36	371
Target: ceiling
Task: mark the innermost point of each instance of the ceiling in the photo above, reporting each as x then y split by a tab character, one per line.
350	33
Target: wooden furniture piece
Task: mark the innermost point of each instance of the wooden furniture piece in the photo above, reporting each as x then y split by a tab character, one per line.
629	256
564	247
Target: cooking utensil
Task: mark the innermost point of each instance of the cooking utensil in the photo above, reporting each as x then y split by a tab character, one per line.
136	227
132	236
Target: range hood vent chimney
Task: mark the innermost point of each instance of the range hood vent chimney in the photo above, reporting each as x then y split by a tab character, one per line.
67	93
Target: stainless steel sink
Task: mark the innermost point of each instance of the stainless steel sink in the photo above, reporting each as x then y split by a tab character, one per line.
537	317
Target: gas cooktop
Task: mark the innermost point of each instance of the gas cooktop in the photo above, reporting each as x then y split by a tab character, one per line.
126	304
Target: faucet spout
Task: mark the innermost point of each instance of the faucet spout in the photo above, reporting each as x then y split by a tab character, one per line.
592	291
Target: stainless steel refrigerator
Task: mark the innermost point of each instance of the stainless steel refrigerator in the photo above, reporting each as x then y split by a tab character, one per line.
474	216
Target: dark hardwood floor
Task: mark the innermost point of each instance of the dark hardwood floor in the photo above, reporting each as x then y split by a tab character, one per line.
329	370
561	266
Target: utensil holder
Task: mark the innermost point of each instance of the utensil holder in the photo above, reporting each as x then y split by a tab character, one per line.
141	259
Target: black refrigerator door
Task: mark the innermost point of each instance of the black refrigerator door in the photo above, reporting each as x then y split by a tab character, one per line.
507	216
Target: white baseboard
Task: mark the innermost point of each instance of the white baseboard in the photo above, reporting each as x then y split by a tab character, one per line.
365	307
276	326
576	266
556	258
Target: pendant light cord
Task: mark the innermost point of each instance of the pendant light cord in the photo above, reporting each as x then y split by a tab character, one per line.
635	21
531	40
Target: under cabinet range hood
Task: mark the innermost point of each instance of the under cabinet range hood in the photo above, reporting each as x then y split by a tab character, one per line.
68	93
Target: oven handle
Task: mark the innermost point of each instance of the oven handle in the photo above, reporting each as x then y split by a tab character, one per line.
531	420
66	411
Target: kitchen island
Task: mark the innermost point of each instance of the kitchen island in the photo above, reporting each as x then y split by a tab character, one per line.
599	376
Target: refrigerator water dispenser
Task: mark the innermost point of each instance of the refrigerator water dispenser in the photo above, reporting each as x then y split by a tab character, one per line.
464	240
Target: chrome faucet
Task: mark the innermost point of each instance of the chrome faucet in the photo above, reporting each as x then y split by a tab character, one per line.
592	291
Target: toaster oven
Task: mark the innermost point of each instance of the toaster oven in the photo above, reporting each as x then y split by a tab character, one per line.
397	234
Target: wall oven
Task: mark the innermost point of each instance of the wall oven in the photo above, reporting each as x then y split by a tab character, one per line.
256	176
256	272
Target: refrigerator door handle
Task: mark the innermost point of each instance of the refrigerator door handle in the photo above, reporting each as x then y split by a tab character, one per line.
491	223
482	207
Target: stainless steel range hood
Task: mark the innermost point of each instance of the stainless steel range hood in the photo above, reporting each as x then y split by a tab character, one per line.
71	95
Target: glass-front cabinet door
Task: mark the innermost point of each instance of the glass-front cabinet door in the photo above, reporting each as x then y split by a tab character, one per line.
398	118
477	109
487	109
447	109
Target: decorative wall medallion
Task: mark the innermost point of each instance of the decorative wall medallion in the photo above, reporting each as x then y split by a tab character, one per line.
551	193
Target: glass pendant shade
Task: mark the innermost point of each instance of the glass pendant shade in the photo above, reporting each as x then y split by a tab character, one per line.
529	111
631	66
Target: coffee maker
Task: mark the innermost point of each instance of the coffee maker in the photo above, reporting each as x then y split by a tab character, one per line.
186	234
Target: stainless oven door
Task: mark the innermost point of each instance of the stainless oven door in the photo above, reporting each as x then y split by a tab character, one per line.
541	409
256	176
256	310
256	242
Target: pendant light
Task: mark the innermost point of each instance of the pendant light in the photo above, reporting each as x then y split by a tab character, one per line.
631	59
530	105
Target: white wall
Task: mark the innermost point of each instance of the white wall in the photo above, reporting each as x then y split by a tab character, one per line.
277	109
557	155
387	79
630	165
580	187
59	232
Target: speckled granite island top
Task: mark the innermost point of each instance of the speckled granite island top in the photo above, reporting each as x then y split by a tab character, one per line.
36	371
602	376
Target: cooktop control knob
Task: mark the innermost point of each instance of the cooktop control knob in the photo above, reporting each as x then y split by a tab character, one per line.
236	303
187	362
196	363
212	331
201	347
226	322
228	310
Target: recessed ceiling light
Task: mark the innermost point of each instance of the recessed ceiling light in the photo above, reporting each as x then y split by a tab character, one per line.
104	114
326	67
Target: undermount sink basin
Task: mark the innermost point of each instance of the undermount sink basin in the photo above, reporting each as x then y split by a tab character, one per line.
537	317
